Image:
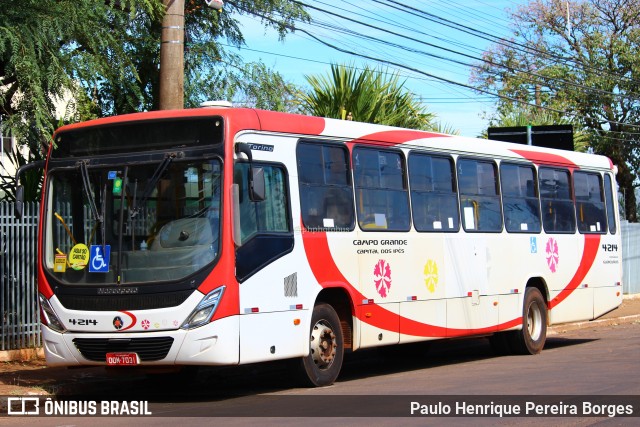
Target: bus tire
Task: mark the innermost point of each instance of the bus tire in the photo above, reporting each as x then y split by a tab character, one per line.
326	348
530	339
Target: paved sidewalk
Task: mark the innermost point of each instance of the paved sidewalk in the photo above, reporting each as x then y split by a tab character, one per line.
628	312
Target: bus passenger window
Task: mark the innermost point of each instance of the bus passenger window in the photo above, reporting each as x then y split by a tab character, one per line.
520	198
434	199
590	211
479	196
268	216
382	198
609	191
326	195
558	213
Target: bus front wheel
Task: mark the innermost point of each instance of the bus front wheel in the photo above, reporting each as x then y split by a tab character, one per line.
326	348
530	339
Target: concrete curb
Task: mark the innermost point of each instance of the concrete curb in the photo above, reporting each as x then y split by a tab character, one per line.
558	329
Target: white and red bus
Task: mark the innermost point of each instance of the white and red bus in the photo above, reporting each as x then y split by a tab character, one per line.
224	236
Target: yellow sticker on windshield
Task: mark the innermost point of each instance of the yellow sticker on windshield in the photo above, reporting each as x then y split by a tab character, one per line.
79	256
60	263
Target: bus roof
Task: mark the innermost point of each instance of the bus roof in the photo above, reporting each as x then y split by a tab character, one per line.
365	133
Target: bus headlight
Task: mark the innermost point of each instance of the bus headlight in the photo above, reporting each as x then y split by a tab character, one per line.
205	310
48	317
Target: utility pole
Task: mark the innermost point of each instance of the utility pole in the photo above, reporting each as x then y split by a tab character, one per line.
172	56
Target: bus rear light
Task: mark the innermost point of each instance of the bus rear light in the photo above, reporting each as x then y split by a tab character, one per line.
295	307
48	317
514	291
412	298
367	301
618	293
585	285
204	311
296	322
618	283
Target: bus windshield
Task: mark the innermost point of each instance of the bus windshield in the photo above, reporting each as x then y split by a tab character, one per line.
152	222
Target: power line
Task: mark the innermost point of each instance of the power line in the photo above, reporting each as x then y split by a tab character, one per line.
499	40
433	76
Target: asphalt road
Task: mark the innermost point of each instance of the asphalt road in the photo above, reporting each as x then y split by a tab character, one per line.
593	361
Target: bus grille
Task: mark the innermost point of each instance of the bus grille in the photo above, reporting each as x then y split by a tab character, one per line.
148	349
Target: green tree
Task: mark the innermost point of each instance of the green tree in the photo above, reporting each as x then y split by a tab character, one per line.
45	46
367	95
580	59
102	58
211	71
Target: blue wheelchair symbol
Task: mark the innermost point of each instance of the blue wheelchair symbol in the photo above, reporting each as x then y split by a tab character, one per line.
533	242
99	261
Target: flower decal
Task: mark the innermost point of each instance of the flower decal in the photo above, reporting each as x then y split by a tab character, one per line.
431	275
382	277
145	324
553	257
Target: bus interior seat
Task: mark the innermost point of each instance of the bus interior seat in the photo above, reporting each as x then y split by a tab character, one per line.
183	232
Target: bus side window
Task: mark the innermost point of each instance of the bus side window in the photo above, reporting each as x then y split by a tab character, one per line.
434	198
520	198
479	196
609	191
590	210
265	226
558	212
326	194
382	198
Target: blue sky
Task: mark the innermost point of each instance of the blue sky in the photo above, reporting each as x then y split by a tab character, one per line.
434	39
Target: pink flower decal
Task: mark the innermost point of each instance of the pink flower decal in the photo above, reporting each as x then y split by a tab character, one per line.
145	324
552	254
382	277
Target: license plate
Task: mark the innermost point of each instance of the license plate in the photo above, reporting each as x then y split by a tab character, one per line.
122	359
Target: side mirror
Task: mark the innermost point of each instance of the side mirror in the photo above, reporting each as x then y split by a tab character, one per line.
256	175
18	207
257	185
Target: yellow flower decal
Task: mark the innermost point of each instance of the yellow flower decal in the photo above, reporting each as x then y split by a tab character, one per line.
431	275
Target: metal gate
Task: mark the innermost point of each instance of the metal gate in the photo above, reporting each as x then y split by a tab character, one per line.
20	326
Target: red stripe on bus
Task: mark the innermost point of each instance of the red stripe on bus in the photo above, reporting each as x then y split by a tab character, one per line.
540	158
395	137
328	275
591	245
290	123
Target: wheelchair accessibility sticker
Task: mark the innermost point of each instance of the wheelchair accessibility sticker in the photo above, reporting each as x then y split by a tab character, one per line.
99	261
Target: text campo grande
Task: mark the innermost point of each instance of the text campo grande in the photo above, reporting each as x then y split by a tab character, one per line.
515	409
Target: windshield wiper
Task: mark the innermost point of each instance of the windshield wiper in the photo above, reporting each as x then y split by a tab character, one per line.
86	186
151	185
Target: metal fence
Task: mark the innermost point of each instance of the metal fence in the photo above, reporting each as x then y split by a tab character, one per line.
18	289
630	257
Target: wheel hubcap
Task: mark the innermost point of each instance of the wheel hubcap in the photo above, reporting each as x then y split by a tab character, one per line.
323	344
534	322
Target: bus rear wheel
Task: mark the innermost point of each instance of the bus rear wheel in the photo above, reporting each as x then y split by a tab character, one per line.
531	338
326	348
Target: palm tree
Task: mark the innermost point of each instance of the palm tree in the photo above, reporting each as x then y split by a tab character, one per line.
367	95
